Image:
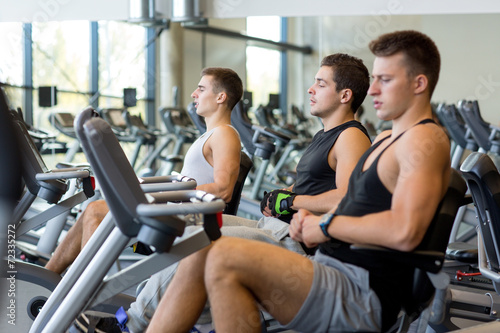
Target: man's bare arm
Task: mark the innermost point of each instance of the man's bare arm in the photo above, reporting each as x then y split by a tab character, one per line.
416	170
343	156
223	149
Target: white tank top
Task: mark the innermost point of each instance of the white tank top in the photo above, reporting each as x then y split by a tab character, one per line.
195	165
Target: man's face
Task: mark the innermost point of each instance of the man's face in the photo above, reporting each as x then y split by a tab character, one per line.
204	97
391	87
324	98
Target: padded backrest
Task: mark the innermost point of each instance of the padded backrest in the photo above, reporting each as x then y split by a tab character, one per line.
243	124
63	121
177	121
261	113
298	114
10	167
483	180
134	120
245	166
442	222
116	176
469	110
32	159
33	164
450	118
114	117
436	239
138	130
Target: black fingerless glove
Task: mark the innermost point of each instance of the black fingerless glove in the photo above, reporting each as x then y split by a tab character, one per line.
281	201
264	202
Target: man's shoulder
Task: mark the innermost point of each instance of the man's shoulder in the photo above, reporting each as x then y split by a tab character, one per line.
423	142
226	131
355	129
223	127
225	135
382	135
428	134
354	134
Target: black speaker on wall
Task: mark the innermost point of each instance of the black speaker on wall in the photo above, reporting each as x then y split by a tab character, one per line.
274	101
247	99
129	97
47	96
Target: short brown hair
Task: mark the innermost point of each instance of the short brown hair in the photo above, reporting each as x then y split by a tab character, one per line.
349	73
420	53
225	79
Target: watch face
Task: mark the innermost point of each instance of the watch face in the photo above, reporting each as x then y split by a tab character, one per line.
326	218
325	222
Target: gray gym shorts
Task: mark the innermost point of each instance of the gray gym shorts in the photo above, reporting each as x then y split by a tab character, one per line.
340	300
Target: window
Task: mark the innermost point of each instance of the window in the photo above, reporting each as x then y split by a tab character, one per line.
61	59
263	65
122	63
11	60
11	71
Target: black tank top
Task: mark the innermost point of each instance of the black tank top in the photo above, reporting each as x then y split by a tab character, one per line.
367	194
314	174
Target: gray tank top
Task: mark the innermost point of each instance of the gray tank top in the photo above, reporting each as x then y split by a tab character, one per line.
195	165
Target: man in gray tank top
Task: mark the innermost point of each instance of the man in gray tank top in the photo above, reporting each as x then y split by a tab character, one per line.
216	95
327	293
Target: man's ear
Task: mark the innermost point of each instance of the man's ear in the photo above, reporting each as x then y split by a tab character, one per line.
421	83
345	96
221	97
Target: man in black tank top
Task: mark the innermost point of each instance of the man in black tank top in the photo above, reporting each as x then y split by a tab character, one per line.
392	196
323	171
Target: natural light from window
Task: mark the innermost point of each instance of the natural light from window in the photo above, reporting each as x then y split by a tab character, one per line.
263	65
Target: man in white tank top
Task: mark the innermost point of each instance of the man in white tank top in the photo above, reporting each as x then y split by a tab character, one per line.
214	101
213	160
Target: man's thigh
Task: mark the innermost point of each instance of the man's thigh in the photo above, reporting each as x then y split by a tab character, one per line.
278	278
339	300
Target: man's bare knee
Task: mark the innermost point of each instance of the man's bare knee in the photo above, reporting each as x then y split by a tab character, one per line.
98	207
95	213
223	257
224	250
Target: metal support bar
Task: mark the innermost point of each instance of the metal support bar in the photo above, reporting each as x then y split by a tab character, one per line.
50	213
88	252
264	42
83	289
151	77
28	73
261	171
23	206
94	65
143	269
63	174
250	206
284	71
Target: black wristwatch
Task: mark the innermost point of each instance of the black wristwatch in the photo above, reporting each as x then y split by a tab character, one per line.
325	222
